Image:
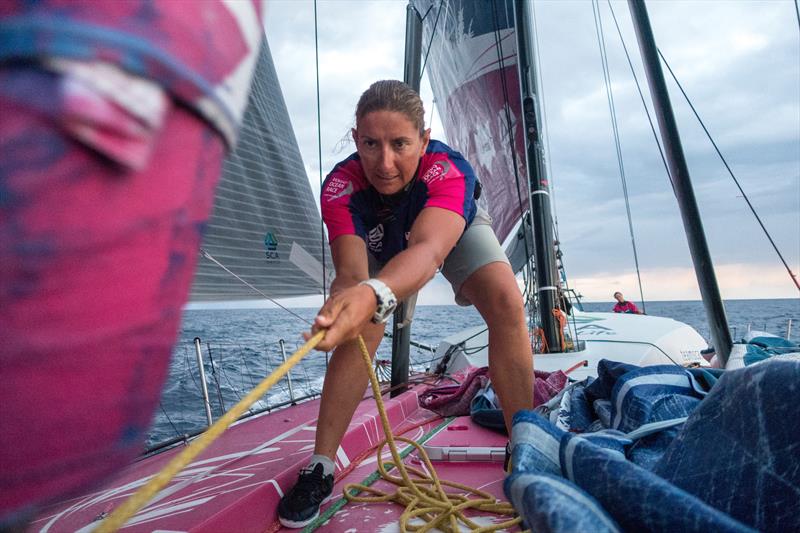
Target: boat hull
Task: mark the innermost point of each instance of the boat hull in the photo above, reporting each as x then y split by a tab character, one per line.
641	340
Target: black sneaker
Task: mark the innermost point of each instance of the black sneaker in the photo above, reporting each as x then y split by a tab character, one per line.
300	505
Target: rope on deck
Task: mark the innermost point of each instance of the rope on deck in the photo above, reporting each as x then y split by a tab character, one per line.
138	500
425	497
372	478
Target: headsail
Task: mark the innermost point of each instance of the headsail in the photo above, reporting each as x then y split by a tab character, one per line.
264	208
472	65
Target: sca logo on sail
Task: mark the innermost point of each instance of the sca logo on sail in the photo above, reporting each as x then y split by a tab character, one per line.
271	245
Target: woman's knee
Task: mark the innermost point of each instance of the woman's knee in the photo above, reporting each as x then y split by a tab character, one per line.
494	291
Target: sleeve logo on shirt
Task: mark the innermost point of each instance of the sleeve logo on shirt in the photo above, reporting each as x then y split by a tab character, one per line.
375	239
337	188
437	172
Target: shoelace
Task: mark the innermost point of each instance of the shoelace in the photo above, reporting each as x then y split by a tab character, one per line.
310	482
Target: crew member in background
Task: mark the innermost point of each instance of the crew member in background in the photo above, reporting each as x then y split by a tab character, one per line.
116	116
624	306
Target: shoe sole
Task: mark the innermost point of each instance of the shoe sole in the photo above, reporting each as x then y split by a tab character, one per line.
291	524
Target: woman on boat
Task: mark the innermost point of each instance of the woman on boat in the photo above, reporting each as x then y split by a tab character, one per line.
397	210
624	306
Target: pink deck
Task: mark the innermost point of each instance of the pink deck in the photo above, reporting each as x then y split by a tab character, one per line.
236	483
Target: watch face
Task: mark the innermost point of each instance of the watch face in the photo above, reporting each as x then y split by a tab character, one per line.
387	310
386	300
386	305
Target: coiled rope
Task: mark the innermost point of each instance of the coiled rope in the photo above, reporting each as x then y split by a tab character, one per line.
425	498
131	506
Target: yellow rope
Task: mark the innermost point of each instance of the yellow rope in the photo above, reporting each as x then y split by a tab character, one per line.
425	497
122	513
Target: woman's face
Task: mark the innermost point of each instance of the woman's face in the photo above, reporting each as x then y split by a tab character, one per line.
390	147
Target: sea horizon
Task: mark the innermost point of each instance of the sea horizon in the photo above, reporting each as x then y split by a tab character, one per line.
245	342
262	304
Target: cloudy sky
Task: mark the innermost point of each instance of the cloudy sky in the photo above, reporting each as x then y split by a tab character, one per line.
738	61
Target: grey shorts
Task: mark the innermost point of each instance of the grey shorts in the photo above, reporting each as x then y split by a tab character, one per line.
477	247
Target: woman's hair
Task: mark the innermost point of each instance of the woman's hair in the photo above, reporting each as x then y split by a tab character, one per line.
392	95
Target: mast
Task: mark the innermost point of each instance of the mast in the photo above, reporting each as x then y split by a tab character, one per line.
679	173
401	323
544	248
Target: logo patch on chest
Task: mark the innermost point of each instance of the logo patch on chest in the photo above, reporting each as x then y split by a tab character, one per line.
336	188
375	239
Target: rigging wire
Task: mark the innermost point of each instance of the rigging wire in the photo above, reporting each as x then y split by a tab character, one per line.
216	377
642	98
187	367
728	168
598	25
319	156
442	4
546	130
234	389
423	17
547	160
210	257
661	151
510	132
797	12
177	433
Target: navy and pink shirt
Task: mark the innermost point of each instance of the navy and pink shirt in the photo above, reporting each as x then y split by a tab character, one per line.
351	206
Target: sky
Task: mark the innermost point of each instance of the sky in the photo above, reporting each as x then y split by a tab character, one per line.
738	61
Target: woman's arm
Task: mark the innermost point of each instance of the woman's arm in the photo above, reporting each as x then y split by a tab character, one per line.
351	306
433	235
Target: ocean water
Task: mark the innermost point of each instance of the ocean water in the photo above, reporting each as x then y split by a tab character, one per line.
242	346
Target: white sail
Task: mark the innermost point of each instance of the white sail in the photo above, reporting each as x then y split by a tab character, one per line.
264	207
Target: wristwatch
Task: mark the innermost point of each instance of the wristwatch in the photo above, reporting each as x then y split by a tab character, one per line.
386	300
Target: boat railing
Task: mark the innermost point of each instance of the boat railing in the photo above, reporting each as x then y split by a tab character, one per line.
207	377
774	325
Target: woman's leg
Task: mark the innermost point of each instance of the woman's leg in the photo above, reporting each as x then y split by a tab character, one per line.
493	290
345	382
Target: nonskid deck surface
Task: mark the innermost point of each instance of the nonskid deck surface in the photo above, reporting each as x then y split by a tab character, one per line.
384	517
235	484
484	475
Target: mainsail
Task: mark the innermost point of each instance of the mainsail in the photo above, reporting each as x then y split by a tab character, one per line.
472	65
265	216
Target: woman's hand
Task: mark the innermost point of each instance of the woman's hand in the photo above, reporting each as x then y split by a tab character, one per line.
344	315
